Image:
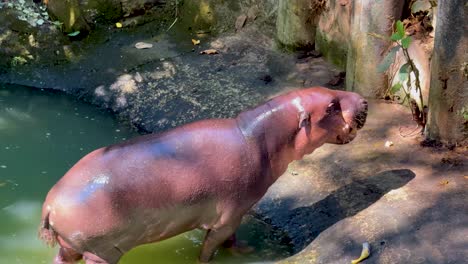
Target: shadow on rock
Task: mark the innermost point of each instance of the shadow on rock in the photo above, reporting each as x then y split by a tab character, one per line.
304	224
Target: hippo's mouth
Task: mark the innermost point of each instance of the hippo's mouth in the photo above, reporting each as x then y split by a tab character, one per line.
345	140
358	122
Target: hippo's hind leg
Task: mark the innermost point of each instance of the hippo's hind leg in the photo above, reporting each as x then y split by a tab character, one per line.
110	257
67	256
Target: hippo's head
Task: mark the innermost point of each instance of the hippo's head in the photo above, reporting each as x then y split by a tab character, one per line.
328	116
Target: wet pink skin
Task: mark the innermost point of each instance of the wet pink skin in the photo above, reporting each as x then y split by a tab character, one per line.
205	174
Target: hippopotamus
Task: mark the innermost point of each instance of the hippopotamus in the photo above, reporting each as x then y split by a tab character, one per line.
206	174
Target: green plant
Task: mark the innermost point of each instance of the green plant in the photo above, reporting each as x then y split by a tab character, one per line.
58	25
405	73
464	113
18	60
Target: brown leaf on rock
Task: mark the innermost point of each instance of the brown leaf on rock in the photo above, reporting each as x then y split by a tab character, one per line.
209	51
240	22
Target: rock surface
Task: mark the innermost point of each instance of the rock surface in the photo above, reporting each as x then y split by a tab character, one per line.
296	23
171	84
407	201
334	31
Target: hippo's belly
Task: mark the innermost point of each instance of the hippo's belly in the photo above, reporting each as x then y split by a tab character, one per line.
99	225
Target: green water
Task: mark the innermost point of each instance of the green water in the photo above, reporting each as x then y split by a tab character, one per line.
42	135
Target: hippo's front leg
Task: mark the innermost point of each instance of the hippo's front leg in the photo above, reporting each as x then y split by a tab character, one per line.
216	237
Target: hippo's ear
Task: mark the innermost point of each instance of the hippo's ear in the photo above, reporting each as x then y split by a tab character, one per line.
304	119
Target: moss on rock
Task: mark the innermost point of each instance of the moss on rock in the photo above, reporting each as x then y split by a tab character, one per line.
333	51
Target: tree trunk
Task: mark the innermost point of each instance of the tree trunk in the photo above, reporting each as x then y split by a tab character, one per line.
366	52
448	94
296	23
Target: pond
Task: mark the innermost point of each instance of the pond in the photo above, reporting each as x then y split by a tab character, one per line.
42	134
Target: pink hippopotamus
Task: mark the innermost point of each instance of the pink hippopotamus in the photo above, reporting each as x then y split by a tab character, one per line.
206	174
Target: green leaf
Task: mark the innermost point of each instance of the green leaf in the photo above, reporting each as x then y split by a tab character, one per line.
403	72
420	5
396	36
395	88
400	29
406	42
73	34
388	60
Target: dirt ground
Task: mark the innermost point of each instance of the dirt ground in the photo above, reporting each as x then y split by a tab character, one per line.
407	201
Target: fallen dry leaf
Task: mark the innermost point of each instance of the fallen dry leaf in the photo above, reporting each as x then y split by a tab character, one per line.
444	182
240	21
209	51
143	45
466	177
196	41
388	144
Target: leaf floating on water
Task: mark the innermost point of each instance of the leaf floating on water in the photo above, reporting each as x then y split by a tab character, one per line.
196	41
365	253
3	184
209	51
73	34
143	45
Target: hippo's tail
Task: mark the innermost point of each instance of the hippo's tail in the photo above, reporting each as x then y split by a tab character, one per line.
46	233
